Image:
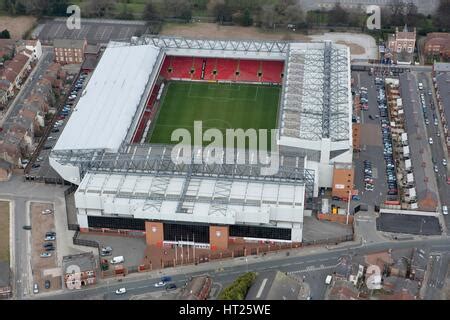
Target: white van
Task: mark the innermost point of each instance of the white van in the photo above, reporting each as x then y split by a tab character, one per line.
117	260
444	210
328	279
420	86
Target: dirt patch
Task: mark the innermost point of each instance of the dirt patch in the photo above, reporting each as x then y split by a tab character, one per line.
43	268
17	26
354	48
4	231
216	31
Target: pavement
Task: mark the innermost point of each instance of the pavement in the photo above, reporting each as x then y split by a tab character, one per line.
438	148
425	181
315	263
436	276
20	194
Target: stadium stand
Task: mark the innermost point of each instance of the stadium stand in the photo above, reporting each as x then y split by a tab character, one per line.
203	69
271	71
210	67
148	114
248	70
181	67
197	66
165	67
226	69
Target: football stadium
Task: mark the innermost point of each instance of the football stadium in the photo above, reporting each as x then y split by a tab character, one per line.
117	146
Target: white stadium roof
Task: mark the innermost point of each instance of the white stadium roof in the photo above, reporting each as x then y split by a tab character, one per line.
153	197
108	104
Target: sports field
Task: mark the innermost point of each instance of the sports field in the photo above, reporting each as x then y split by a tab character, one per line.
217	105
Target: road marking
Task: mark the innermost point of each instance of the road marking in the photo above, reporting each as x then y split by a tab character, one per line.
261	288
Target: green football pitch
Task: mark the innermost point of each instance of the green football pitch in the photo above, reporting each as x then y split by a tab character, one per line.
218	105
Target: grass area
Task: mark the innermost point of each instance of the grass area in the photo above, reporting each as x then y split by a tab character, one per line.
4	231
217	105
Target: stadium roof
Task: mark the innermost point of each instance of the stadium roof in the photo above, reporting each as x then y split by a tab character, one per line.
207	200
316	95
108	104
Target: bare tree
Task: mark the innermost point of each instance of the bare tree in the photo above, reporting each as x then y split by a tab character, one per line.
100	8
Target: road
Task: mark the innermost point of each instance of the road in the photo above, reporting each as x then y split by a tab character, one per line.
40	68
437	148
315	264
438	266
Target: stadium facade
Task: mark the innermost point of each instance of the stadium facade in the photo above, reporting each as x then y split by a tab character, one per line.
130	186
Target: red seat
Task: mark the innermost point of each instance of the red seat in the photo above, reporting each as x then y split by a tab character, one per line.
197	65
226	69
181	67
272	70
209	68
248	70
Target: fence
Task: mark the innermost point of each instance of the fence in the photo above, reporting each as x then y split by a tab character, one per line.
263	250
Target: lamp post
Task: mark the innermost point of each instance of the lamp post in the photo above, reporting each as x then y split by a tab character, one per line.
348	204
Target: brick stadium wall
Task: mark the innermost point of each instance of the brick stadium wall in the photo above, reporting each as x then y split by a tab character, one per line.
335	218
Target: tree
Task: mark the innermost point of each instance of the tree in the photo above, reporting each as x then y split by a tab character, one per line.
125	14
222	12
247	19
151	13
178	9
5	34
100	8
337	15
397	13
442	15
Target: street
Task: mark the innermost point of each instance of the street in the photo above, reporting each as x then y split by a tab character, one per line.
298	263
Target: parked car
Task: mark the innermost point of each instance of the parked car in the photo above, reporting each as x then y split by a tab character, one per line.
26	227
50	234
430	140
35	288
45	255
160	284
171	286
444	162
47	284
47	244
121	291
444	210
50	238
35	165
50	249
47	211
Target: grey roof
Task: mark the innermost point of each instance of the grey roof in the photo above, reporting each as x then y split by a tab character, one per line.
5	272
443	85
69	43
274	285
85	261
441	67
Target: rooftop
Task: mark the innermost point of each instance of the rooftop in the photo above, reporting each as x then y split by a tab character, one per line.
85	261
108	104
69	43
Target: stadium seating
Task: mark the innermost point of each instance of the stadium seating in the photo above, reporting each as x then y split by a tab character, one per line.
272	70
165	67
198	63
210	67
226	69
149	113
248	70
